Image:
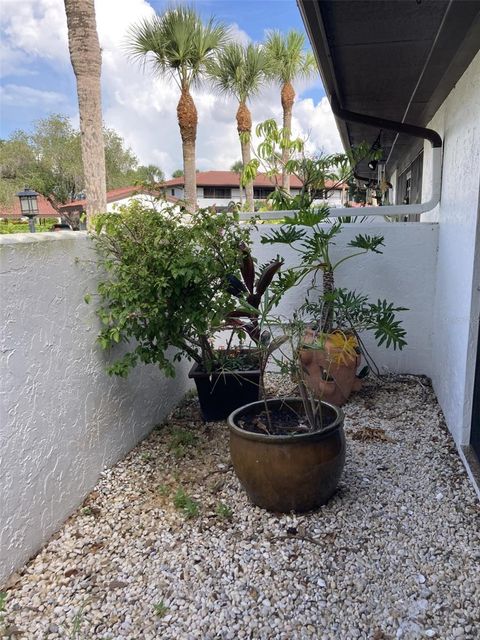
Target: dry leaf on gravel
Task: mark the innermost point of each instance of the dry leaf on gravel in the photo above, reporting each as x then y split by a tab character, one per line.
371	434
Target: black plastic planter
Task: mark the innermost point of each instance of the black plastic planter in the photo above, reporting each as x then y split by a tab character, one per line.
221	393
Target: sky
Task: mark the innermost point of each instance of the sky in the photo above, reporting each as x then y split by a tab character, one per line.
36	79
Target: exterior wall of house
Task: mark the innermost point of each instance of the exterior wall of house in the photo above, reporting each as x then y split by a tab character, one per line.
457	301
144	199
334	199
404	274
63	419
221	202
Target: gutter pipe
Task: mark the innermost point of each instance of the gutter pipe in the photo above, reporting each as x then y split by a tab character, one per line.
400	127
388	210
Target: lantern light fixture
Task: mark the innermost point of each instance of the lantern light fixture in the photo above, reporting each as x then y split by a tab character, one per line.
29	206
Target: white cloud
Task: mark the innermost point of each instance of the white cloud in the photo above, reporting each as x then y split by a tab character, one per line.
139	106
14	95
33	29
318	123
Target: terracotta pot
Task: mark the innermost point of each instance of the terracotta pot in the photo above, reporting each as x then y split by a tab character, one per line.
292	472
329	380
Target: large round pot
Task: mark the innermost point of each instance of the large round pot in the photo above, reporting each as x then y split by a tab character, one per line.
288	472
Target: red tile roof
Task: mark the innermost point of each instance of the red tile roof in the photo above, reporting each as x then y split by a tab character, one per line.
114	196
45	209
232	179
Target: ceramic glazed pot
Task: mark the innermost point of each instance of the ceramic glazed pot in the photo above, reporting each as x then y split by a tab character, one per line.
292	472
323	363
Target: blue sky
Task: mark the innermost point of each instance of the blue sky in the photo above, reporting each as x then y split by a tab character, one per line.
37	79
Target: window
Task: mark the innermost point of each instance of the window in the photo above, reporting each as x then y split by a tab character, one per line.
172	192
409	183
217	192
262	192
408	188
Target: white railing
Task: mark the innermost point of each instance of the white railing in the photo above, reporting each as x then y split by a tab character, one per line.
396	210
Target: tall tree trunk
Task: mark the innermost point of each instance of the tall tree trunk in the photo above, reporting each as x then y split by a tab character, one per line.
327	311
244	128
187	121
86	58
288	97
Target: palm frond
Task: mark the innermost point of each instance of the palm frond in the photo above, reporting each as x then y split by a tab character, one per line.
239	71
176	43
288	59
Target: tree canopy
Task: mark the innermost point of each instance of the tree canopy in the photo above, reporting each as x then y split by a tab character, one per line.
49	160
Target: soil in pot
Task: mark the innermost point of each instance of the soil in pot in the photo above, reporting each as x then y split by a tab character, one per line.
280	420
292	470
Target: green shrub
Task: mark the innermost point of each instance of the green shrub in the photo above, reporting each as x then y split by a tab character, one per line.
167	283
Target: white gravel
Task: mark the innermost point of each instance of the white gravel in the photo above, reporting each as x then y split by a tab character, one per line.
395	554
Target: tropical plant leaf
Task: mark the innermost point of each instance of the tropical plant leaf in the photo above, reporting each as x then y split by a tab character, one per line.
369	243
267	276
308	217
235	286
284	235
247	269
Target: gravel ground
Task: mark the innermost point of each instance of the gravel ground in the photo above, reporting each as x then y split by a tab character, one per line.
395	554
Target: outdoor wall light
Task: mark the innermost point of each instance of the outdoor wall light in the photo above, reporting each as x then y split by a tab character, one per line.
376	146
29	206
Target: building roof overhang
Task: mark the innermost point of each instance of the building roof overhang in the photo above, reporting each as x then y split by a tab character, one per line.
396	60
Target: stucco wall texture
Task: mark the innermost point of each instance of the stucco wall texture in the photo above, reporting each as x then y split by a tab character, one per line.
404	275
457	300
62	418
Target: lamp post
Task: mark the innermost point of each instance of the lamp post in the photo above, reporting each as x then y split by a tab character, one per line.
29	206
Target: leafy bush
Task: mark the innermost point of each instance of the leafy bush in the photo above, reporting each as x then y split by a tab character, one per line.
167	282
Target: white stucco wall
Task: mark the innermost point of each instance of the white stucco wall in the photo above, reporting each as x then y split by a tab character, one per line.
404	274
62	419
457	303
145	200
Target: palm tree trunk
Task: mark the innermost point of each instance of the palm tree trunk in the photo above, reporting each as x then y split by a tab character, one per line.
327	311
288	97
86	58
187	121
244	128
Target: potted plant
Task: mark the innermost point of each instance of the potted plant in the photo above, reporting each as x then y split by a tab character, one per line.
289	453
238	373
169	294
332	346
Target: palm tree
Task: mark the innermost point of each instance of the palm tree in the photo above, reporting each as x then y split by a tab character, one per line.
288	62
237	167
181	45
86	58
240	71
